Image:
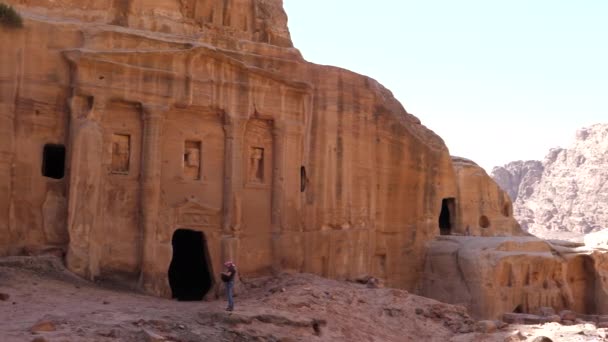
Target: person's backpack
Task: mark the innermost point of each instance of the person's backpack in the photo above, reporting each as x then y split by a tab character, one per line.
225	277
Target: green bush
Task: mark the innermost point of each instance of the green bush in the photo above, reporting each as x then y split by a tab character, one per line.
9	17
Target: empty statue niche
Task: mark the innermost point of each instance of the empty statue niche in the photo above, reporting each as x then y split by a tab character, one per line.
190	273
303	179
446	217
121	153
590	284
192	160
53	161
507	209
256	165
582	279
381	265
484	221
324	267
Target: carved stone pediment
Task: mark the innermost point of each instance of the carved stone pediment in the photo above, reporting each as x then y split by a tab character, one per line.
192	213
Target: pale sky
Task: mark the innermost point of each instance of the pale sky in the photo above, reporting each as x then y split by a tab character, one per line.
498	80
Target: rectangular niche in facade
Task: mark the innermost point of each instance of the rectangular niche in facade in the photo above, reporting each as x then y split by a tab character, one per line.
53	161
256	165
192	160
121	153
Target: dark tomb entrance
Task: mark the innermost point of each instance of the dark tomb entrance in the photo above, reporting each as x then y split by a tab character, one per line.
190	273
53	161
446	217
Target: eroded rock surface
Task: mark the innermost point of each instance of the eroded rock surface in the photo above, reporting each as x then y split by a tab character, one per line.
519	178
493	276
485	209
568	193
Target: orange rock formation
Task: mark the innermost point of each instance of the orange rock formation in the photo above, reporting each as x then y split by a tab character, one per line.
493	276
136	134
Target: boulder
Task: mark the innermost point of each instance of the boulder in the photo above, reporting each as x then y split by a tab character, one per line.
567	315
542	339
545	311
486	327
515	337
517	318
43	326
150	336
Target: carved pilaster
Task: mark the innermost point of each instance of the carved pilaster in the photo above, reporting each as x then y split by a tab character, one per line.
279	132
153	117
85	174
234	135
234	129
285	177
286	141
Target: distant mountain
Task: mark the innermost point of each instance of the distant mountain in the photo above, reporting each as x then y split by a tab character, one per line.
567	192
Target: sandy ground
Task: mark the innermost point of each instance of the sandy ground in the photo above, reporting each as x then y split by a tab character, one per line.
287	308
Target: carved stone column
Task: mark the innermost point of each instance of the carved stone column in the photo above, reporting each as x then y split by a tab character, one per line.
85	171
153	117
285	182
279	138
234	135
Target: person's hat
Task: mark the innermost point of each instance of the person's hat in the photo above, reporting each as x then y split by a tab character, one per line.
229	263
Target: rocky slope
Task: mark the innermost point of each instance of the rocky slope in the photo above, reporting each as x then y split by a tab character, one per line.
567	192
47	301
41	301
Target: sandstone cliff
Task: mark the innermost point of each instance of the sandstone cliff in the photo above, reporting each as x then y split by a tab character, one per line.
568	192
484	209
132	130
492	276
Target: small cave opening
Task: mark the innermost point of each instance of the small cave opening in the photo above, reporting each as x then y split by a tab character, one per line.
484	221
53	161
190	273
446	216
518	309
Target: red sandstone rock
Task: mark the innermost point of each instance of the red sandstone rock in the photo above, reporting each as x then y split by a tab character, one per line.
486	327
43	326
603	325
39	339
519	318
567	315
494	275
545	311
200	115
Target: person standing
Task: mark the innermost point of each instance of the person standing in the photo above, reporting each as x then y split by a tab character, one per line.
228	278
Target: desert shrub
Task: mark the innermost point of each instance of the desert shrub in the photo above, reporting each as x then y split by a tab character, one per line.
9	17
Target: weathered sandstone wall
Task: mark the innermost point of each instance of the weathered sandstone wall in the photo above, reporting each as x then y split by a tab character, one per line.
216	22
484	208
280	163
493	276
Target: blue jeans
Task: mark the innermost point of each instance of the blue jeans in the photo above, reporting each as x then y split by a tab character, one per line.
229	290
